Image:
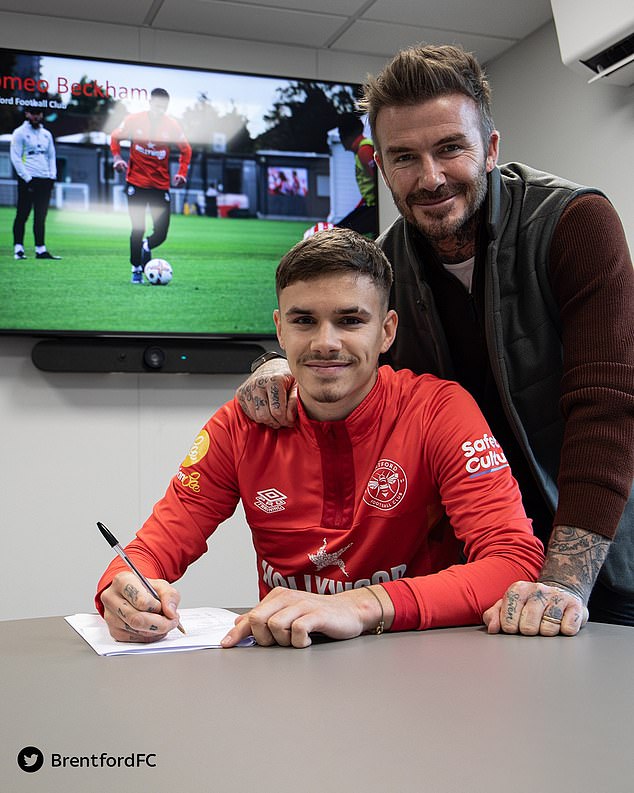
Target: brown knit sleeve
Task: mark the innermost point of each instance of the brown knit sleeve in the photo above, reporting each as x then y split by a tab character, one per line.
593	283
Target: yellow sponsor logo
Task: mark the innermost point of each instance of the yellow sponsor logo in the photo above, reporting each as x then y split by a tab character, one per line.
199	449
190	480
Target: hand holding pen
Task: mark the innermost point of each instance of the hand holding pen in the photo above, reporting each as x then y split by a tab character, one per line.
126	608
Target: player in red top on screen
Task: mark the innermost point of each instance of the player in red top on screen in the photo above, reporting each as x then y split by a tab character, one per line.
152	134
360	512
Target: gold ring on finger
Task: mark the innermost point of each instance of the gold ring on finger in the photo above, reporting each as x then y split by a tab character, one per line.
546	618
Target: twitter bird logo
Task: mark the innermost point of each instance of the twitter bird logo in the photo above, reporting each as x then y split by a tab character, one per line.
30	759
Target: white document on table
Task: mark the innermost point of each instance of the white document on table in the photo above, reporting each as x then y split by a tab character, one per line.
205	627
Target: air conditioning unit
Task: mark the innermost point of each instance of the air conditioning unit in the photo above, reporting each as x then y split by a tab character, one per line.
596	38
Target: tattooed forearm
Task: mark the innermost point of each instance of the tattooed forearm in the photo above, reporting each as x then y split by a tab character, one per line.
574	559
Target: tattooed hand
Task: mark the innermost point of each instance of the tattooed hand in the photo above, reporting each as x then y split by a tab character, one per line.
533	608
269	395
557	602
133	615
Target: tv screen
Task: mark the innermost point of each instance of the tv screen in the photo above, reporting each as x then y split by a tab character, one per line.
217	174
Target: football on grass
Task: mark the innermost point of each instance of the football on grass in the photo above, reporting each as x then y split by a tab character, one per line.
158	272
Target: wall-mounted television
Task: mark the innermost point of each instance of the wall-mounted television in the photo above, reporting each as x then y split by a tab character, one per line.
265	165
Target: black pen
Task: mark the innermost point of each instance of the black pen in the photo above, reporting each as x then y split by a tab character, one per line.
114	543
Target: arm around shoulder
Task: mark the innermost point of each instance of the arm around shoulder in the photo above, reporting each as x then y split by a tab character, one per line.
269	395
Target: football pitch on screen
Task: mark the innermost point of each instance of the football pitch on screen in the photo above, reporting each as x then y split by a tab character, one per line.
224	270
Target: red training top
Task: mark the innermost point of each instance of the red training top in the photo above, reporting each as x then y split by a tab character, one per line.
391	495
151	139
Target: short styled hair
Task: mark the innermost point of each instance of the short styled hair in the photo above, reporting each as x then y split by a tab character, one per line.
335	251
417	74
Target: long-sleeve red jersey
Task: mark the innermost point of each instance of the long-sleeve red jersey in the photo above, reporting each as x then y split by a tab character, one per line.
391	495
151	138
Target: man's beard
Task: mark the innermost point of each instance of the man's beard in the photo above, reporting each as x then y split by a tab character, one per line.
442	228
327	392
326	396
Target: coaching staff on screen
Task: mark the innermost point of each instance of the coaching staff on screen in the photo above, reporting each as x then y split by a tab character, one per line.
33	157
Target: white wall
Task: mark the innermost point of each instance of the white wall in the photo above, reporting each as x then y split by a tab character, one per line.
79	448
550	118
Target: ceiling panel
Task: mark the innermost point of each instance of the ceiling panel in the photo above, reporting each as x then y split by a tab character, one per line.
122	12
386	39
241	21
343	8
514	19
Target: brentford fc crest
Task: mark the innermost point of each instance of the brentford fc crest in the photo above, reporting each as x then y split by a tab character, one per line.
387	485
